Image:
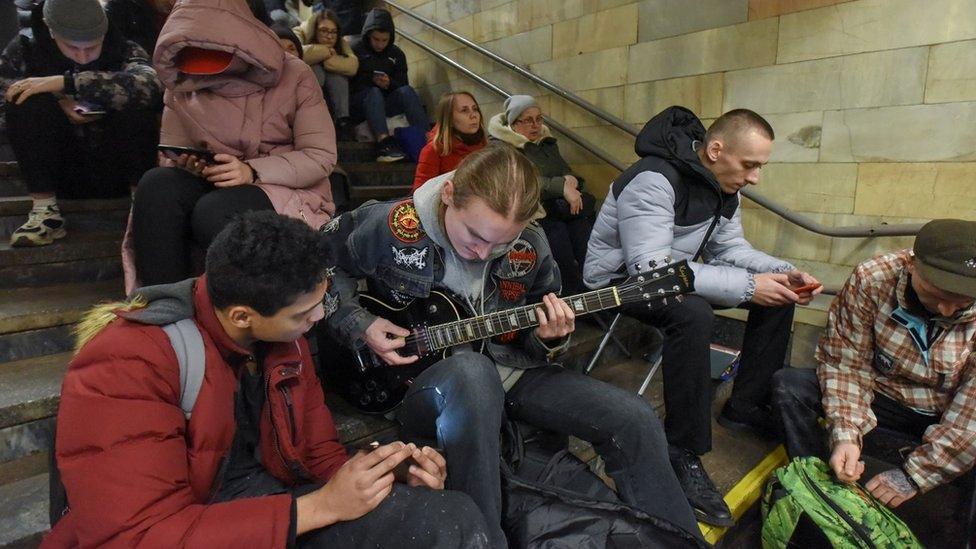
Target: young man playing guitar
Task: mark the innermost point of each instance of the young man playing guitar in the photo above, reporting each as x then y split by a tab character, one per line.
468	232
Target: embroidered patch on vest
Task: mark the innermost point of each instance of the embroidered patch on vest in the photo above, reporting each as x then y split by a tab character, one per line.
883	362
405	223
410	257
522	257
511	290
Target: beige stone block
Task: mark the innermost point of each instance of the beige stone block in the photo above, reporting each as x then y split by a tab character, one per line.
593	6
406	24
598	177
852	251
537	13
595	32
663	18
952	73
895	77
473	61
760	9
776	236
872	25
610	100
815	187
513	83
797	136
618	144
488	4
451	10
524	48
727	48
496	23
943	189
920	133
702	94
602	69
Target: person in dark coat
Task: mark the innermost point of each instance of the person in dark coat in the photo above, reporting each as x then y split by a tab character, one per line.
139	20
569	208
380	88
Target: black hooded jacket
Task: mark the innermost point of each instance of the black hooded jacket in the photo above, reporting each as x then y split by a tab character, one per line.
667	145
391	60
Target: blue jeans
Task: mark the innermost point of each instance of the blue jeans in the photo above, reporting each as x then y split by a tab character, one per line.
460	402
376	107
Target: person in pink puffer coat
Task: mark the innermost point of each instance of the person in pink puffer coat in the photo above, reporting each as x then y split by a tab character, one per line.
230	89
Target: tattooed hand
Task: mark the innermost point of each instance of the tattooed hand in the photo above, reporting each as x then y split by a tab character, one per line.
892	487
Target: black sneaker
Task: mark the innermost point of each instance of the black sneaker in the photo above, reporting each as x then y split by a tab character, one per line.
758	420
705	500
387	150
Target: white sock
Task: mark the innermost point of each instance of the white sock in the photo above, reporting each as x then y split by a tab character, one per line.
44	203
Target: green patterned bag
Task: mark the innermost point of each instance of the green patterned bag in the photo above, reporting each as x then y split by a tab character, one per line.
804	506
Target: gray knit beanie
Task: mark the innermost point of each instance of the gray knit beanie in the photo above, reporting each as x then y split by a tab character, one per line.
76	20
516	105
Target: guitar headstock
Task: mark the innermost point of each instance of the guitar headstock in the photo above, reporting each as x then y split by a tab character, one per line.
657	283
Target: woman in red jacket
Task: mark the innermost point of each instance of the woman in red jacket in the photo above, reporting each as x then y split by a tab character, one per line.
459	131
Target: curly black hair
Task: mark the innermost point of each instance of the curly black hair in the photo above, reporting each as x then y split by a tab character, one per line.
264	261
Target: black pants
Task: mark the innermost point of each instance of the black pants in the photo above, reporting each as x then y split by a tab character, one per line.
568	240
409	518
174	211
797	404
686	362
96	160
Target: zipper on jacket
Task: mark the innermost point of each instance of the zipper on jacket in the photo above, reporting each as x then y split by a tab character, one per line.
858	529
291	414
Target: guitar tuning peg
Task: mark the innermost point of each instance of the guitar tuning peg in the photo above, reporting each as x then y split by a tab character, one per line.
667	260
637	267
652	264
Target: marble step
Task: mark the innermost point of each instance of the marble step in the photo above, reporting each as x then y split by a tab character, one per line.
79	257
38	321
82	216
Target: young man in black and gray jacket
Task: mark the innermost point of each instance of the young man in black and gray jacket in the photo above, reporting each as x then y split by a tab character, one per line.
681	200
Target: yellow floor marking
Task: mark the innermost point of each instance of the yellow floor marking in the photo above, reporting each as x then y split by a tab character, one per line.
746	492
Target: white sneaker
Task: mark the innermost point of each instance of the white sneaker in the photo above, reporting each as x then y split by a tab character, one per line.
43	227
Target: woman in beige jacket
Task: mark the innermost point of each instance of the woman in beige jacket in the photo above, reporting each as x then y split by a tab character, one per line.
332	60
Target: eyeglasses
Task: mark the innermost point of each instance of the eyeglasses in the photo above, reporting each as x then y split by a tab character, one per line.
537	121
329	32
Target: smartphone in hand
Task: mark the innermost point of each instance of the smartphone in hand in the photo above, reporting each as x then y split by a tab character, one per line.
175	151
807	288
87	109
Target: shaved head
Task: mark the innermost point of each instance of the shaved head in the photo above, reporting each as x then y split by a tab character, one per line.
732	126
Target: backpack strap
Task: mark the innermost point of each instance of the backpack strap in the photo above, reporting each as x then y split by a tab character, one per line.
184	336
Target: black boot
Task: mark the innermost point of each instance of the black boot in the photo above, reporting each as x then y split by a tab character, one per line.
750	417
707	502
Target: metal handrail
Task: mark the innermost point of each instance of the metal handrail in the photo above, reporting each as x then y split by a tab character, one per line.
854	231
573	136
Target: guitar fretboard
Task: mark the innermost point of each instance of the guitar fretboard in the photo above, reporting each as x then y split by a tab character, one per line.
447	335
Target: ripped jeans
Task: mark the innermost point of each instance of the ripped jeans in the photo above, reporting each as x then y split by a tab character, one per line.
460	402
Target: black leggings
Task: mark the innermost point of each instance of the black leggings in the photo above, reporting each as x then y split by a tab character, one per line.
174	211
96	160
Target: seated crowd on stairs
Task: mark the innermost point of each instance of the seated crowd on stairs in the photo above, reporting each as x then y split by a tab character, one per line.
220	120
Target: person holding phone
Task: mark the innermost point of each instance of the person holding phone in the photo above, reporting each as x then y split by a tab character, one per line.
258	463
233	91
681	200
380	88
80	105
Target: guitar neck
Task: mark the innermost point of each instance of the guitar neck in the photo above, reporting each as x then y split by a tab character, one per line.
459	332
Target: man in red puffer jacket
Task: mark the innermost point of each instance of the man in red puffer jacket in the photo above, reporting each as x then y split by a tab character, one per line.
258	463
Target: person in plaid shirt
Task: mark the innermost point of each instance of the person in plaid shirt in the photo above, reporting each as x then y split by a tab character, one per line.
897	353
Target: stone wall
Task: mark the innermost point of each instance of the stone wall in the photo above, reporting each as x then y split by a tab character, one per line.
873	101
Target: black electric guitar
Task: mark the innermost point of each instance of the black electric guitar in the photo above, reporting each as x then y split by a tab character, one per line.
441	322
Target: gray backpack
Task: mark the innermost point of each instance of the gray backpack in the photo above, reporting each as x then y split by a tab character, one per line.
187	342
